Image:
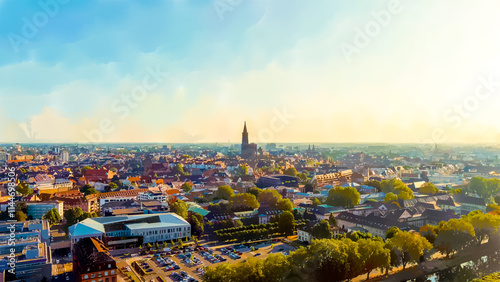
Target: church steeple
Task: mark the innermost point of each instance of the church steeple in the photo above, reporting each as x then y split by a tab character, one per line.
244	139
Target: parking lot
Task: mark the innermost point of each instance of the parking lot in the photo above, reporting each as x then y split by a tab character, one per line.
188	265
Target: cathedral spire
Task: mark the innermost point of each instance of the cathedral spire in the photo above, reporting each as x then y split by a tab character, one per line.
244	139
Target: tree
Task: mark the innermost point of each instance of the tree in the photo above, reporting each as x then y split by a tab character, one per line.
373	183
291	171
428	232
91	191
225	192
286	223
180	244
180	208
373	254
242	170
315	202
391	231
21	216
308	187
409	247
285	205
485	188
322	230
332	220
389	197
302	177
453	235
113	186
52	216
428	188
485	225
85	187
255	191
275	267
187	187
244	200
24	189
269	197
178	169
343	197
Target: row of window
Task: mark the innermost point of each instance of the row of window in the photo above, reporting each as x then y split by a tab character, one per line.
100	274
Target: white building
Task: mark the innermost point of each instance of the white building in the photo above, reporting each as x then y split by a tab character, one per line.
157	227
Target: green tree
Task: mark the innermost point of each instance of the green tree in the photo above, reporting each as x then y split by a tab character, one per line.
180	244
72	216
24	189
286	223
374	183
390	197
453	235
85	187
391	231
428	232
291	171
111	186
225	192
91	191
21	216
244	200
343	197
373	254
52	216
332	220
410	247
285	205
242	170
315	202
187	187
485	225
322	230
302	177
269	197
275	267
178	169
428	188
255	191
180	208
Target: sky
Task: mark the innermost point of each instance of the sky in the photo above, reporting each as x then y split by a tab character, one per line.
295	71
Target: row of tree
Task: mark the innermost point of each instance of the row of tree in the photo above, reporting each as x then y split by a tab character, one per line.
455	235
327	260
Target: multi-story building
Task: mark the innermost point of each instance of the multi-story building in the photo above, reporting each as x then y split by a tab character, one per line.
277	180
92	262
38	209
31	252
137	229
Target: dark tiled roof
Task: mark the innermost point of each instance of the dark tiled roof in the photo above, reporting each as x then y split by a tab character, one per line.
469	200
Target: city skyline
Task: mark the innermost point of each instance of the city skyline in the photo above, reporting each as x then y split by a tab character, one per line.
337	73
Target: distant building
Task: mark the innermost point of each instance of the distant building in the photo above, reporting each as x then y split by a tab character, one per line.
248	151
93	262
277	180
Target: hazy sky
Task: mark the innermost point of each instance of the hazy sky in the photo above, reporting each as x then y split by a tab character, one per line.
296	71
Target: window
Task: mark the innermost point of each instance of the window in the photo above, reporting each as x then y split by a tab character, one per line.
86	276
112	272
106	273
109	265
92	276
